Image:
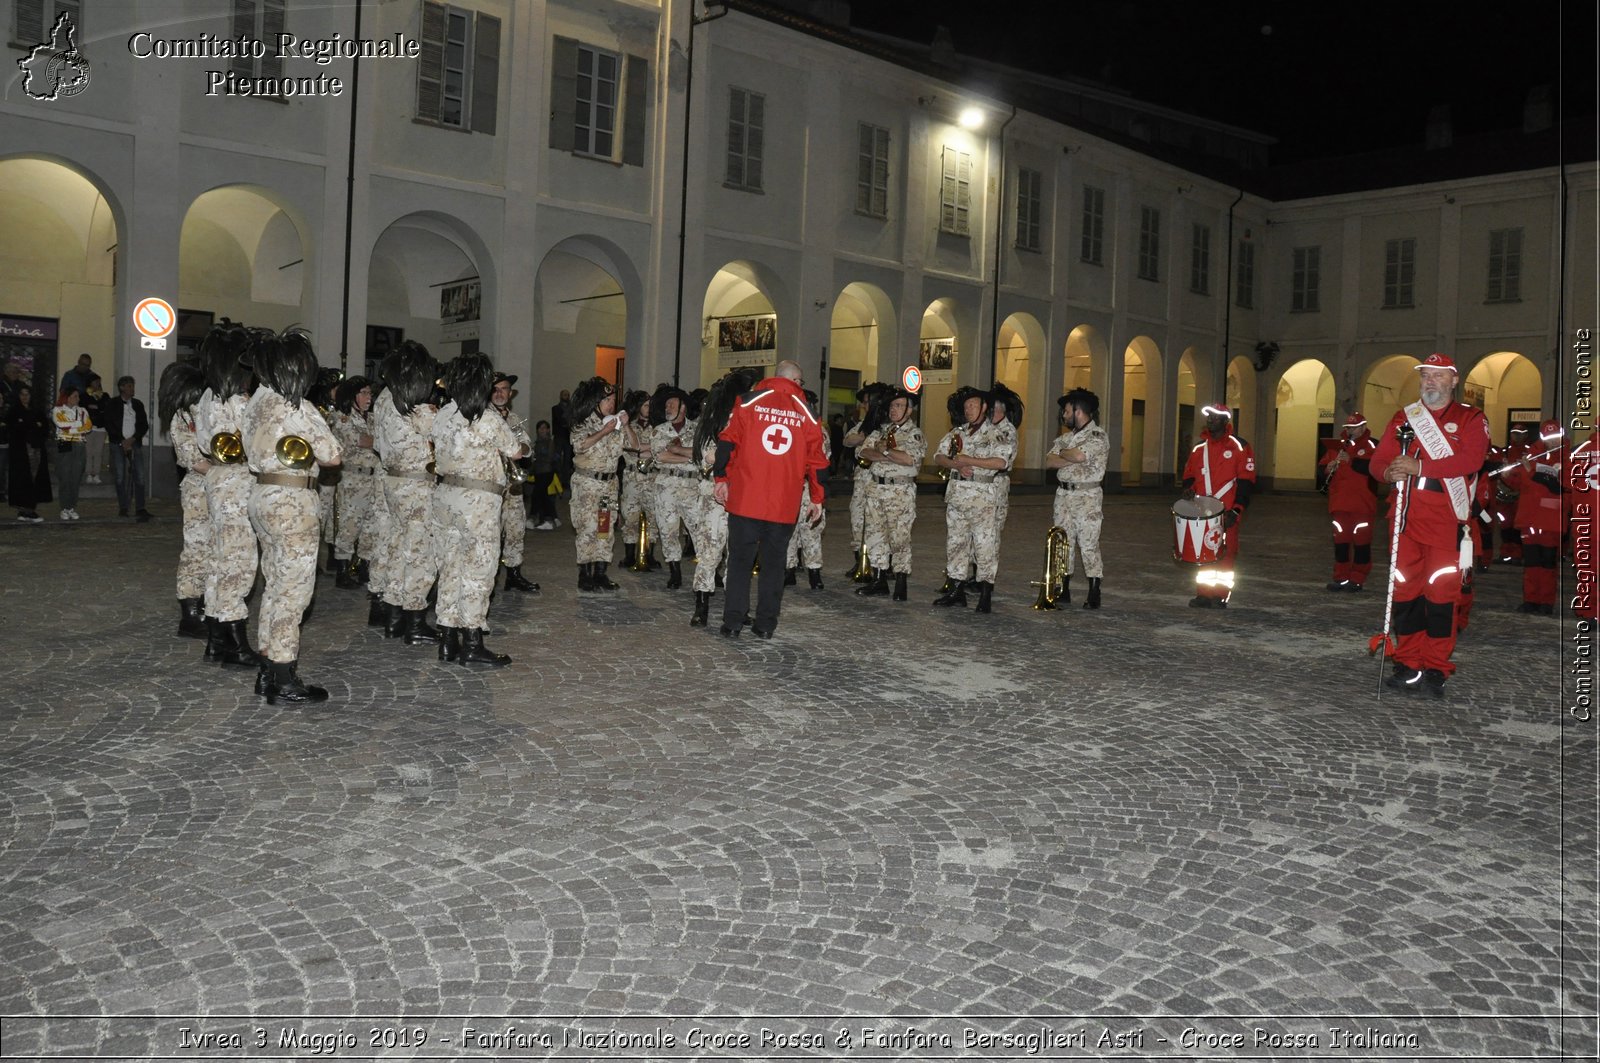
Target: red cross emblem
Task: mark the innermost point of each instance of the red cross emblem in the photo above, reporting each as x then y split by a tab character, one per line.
777	439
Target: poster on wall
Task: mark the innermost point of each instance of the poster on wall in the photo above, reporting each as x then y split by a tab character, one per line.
460	304
937	360
747	341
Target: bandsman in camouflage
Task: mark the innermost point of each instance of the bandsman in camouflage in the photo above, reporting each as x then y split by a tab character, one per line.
895	452
217	417
182	384
513	514
710	529
403	435
975	452
638	480
1005	412
355	522
286	440
805	545
596	441
471	445
1078	457
677	477
872	403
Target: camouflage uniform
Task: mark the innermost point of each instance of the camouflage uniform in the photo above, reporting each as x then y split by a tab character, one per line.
328	481
468	509
1079	496
710	529
805	545
677	489
358	485
380	553
892	498
638	494
513	517
1006	433
404	441
194	561
594	489
284	516
858	493
233	542
970	526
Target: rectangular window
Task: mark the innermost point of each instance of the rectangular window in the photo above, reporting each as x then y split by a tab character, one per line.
260	20
1505	265
1245	276
594	123
1399	272
1029	207
872	170
33	21
1094	225
458	71
1149	244
955	192
1200	260
1306	282
746	139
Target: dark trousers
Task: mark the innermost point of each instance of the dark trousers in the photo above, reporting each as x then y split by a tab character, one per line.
541	507
125	466
748	540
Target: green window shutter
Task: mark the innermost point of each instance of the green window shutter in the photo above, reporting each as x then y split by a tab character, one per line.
635	93
485	74
244	25
430	65
563	93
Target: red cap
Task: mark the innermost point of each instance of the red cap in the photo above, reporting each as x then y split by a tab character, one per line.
1220	409
1355	420
1439	361
1551	431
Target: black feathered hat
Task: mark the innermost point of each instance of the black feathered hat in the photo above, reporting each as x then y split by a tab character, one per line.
957	402
220	352
468	379
587	396
1000	393
409	372
658	403
1083	399
181	386
345	397
284	361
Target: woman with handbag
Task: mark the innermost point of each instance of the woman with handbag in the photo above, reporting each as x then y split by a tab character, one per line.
72	427
29	474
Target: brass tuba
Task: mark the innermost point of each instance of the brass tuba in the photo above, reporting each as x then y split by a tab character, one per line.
1055	568
641	563
295	452
227	448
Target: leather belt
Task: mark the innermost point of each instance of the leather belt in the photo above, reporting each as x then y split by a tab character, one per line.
893	479
1077	486
467	483
1431	483
673	470
287	479
412	474
595	475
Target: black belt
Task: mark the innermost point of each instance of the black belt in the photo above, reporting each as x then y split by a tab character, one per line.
425	475
595	475
468	483
676	471
1076	486
1431	483
893	479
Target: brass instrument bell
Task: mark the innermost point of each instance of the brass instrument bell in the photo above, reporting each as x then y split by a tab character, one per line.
227	448
1055	568
295	452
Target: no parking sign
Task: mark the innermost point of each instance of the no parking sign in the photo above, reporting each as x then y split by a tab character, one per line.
911	379
155	319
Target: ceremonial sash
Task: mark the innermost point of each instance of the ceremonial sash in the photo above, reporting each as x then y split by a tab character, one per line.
1435	445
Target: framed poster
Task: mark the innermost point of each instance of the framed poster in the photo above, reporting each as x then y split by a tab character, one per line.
747	341
937	360
460	306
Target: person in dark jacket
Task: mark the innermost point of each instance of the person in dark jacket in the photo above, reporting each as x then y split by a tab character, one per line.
127	426
29	476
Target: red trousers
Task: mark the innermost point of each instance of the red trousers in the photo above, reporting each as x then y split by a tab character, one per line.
1427	587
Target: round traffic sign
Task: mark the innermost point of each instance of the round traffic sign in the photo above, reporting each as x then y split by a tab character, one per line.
154	318
912	379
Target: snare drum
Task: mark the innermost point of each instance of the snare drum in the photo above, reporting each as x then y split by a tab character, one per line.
1197	530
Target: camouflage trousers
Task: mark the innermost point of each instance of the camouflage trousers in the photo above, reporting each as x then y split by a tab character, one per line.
805	545
1002	506
638	496
327	507
412	559
677	504
466	530
891	511
710	534
286	522
589	498
353	501
194	560
233	542
378	540
860	487
513	529
1078	513
970	537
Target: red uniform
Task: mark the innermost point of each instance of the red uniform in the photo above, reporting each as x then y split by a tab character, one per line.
1352	508
1506	499
1427	572
1537	481
777	444
1582	481
1223	467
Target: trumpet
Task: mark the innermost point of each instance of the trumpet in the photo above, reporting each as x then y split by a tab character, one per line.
888	440
295	452
641	563
952	451
227	448
1055	568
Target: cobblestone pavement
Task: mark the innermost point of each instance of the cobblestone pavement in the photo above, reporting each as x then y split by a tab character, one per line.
1065	826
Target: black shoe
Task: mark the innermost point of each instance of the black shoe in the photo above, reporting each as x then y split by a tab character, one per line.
900	586
1355	588
1404	678
985	590
333	563
473	651
394	624
630	554
236	646
586	576
956	595
878	585
728	632
263	677
122	513
1547	610
346	579
1433	682
516	582
815	576
602	582
674	575
1065	597
418	631
1336	585
377	612
702	609
950	583
1094	593
449	643
191	618
1529	608
213	639
143	516
760	633
1201	602
285	686
791	576
363	571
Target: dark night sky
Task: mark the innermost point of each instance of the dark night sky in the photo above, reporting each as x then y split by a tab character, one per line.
1329	79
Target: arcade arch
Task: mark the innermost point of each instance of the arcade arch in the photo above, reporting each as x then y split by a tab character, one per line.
1021	368
739	319
1390	383
1241	391
1184	399
240	255
862	327
1507	387
581	323
939	323
415	262
1305	405
1141	411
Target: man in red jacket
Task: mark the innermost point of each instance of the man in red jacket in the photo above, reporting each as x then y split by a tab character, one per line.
1437	463
771	446
1540	516
1352	504
1221	466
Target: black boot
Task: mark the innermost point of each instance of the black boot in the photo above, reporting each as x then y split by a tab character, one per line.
985	589
586	576
674	575
630	554
815	576
346	576
263	677
950	583
236	646
192	618
702	609
955	594
651	561
602	582
285	686
418	631
473	651
394	624
790	576
516	582
363	572
878	585
1066	591
378	612
1094	593
900	585
214	633
449	643
333	563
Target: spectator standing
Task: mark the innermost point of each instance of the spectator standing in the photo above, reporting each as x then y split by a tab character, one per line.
561	430
26	432
543	507
128	425
94	444
78	376
72	425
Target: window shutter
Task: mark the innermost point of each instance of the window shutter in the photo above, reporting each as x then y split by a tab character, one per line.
563	93
273	20
947	192
430	65
756	110
963	193
30	28
485	73
880	173
635	93
736	105
244	25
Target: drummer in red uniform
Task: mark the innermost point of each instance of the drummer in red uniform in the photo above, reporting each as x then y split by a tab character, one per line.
1436	469
1352	504
1517	447
1537	480
1221	466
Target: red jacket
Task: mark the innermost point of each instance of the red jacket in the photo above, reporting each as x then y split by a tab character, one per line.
1468	433
1349	487
776	445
